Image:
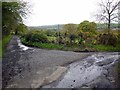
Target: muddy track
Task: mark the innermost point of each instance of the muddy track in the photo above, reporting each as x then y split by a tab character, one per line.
96	71
9	62
26	67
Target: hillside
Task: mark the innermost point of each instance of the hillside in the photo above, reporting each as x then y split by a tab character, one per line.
47	27
60	26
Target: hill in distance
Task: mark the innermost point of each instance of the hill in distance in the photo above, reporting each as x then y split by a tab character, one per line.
47	27
59	27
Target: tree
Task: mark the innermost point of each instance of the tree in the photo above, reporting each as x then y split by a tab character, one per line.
70	31
109	11
70	28
86	31
0	20
87	26
119	16
12	15
21	29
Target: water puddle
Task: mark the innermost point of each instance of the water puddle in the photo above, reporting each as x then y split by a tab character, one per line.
23	47
85	71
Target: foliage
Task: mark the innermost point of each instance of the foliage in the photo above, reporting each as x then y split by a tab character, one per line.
72	38
36	36
12	14
50	32
42	45
70	29
5	42
118	36
21	29
106	48
75	47
87	32
52	39
87	26
87	38
107	39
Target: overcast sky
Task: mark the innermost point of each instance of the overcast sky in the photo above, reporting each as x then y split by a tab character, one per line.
50	12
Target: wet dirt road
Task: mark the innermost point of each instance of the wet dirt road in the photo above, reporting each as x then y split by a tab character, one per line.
26	67
95	71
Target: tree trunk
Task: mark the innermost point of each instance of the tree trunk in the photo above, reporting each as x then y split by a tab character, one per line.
109	24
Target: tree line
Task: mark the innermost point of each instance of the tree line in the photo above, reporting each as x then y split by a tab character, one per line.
12	16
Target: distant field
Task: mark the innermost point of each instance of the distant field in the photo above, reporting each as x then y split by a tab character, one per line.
60	26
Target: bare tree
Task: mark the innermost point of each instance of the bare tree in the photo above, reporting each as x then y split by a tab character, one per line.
109	11
119	16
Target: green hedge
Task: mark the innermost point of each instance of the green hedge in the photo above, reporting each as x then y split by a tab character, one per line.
41	45
36	36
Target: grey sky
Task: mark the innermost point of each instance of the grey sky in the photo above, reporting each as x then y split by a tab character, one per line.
49	12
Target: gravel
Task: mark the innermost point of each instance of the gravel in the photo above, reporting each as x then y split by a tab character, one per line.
22	67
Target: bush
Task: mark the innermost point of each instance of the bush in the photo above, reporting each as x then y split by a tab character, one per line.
36	36
118	38
72	38
107	39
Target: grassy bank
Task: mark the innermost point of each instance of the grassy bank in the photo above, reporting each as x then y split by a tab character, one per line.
42	45
85	47
107	48
4	43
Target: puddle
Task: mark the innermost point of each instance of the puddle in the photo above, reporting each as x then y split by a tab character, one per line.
23	47
85	71
78	76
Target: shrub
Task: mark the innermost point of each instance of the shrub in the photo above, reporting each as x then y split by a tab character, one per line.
36	36
72	38
118	37
107	39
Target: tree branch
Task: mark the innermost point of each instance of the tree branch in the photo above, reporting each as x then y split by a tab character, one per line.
115	7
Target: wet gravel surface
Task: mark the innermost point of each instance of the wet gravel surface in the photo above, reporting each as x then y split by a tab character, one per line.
24	67
95	71
9	62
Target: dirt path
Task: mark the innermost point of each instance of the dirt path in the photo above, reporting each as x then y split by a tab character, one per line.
24	67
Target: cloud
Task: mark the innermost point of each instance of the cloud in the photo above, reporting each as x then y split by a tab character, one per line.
47	12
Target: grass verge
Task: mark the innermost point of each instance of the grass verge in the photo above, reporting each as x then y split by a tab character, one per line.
107	48
4	43
75	47
42	45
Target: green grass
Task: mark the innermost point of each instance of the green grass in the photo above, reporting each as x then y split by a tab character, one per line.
42	45
106	48
89	47
4	43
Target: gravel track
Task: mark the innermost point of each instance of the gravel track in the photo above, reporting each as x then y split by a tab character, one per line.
24	68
